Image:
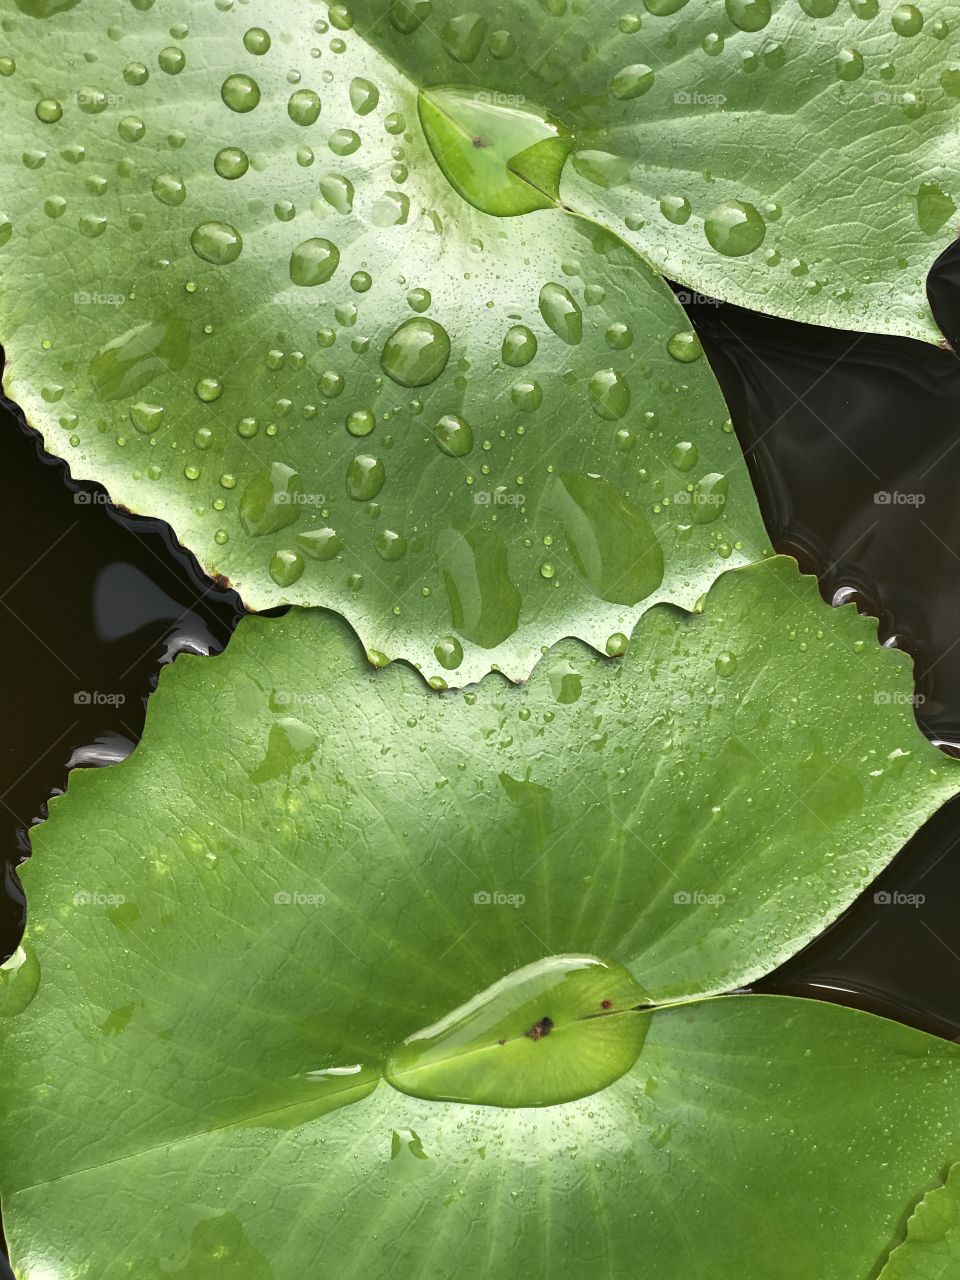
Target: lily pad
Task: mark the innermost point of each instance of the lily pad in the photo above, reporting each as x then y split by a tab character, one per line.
793	156
239	287
381	956
931	1250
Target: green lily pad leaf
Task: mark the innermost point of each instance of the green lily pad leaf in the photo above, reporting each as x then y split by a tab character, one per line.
334	961
793	156
266	297
931	1250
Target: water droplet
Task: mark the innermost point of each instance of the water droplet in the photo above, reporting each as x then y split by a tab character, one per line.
708	498
748	15
286	567
364	96
735	228
619	336
169	189
527	396
360	422
519	346
416	353
313	262
91	101
343	142
906	20
726	663
131	129
463	36
361	281
454	435
685	346
676	209
609	394
551	1032
147	418
321	544
172	60
304	107
240	93
849	64
632	81
448	652
269	502
49	111
257	41
617	645
390	545
216	242
685	455
19	981
419	299
562	313
231	163
365	477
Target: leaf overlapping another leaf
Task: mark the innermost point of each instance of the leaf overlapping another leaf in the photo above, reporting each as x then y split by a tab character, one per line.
351	857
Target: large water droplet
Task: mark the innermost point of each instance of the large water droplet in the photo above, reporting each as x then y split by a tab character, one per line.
313	262
364	96
632	81
19	981
748	15
271	500
128	363
454	435
365	477
609	394
304	107
554	1031
216	242
562	313
240	93
735	228
416	353
519	346
612	543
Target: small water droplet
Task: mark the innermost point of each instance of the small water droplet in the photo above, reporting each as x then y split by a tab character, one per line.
313	262
365	477
454	435
240	93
